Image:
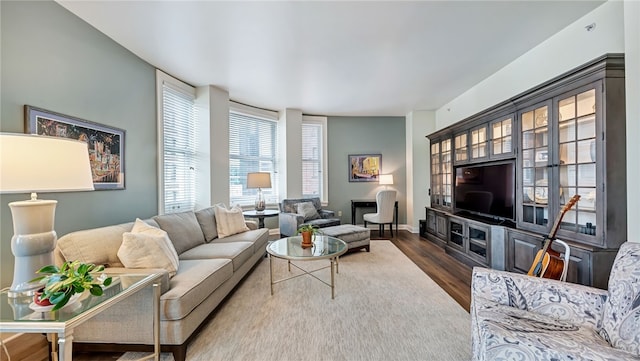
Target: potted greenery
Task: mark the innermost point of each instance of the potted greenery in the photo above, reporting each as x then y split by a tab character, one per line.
60	284
308	232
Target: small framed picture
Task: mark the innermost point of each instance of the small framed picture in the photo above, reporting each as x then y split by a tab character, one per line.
106	144
364	167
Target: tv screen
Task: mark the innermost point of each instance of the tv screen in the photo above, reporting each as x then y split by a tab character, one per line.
486	189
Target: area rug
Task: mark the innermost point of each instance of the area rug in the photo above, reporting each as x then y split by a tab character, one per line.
385	308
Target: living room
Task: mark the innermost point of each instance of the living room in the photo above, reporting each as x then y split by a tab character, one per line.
54	60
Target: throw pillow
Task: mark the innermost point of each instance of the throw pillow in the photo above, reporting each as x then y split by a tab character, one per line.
229	221
308	211
183	230
207	219
148	247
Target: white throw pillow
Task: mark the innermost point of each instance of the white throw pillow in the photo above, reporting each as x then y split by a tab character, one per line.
308	211
148	247
229	221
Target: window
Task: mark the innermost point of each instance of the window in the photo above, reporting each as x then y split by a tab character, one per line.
252	148
177	144
314	180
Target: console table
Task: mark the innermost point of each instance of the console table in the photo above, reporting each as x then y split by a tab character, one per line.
16	314
369	203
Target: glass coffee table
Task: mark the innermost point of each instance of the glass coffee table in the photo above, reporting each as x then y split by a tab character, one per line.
290	249
20	314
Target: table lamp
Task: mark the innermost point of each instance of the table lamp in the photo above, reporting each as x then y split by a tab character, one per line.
30	164
259	180
385	179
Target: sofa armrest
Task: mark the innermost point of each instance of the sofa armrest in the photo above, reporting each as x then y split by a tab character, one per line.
289	223
326	214
560	300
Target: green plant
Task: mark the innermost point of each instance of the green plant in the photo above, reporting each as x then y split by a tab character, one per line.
308	228
71	278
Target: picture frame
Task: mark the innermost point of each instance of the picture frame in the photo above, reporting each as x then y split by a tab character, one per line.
364	167
106	144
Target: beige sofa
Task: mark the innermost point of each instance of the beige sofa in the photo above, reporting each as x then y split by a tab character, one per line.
209	268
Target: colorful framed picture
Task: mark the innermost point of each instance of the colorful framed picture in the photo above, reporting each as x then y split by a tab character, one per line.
364	167
106	144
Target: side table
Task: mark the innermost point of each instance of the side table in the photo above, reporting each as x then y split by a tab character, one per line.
16	314
261	215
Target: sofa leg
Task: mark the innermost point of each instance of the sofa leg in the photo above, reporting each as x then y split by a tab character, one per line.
179	352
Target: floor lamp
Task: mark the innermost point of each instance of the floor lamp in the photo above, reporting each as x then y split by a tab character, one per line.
259	180
30	164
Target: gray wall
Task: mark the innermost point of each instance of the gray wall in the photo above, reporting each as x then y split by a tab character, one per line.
365	135
53	60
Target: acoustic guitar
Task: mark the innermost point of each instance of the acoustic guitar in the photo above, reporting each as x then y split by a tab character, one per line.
548	263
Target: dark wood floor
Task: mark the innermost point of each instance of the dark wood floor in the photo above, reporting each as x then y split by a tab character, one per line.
453	276
450	274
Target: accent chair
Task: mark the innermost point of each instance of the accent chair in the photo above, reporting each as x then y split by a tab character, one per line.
385	203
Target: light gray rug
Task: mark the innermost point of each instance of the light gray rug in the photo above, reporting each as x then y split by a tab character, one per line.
385	308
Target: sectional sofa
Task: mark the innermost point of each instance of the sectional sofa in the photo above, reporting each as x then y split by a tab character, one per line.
209	267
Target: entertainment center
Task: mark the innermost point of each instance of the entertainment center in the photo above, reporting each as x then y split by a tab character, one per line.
500	177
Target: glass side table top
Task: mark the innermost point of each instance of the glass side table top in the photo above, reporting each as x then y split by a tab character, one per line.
324	247
22	309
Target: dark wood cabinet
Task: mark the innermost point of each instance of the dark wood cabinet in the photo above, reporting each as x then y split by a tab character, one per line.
436	225
587	265
567	136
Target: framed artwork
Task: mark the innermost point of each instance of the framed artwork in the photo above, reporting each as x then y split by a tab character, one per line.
106	144
364	167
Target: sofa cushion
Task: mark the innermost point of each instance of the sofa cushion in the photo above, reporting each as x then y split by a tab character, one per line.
308	211
194	282
148	247
98	245
183	229
259	237
621	320
229	221
207	219
508	333
237	252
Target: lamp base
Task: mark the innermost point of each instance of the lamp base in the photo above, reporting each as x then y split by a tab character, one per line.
260	203
32	243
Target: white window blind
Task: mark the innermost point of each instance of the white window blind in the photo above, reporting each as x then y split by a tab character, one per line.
252	148
178	148
312	160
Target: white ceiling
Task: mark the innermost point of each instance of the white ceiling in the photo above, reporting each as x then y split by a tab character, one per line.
332	57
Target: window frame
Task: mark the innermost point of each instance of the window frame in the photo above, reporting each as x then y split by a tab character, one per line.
322	122
163	79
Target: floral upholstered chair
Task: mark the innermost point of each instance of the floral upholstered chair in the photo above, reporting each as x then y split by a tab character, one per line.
517	317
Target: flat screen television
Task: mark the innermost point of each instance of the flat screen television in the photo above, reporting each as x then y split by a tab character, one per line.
487	189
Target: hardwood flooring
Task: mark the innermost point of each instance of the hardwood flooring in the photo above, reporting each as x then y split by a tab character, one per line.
450	274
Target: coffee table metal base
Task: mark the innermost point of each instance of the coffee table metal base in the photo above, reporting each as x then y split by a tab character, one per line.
333	265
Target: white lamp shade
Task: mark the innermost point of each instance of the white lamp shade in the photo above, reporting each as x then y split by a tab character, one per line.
385	179
259	180
32	163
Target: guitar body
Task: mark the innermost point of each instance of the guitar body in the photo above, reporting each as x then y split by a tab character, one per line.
550	263
547	262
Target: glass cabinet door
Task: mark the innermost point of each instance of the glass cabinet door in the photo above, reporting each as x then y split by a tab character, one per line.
461	147
441	173
501	137
435	174
447	173
479	143
577	160
535	173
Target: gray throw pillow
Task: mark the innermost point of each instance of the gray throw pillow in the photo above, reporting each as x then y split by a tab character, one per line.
207	219
183	230
308	211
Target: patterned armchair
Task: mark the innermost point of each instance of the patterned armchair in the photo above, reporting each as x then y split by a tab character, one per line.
292	216
517	317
